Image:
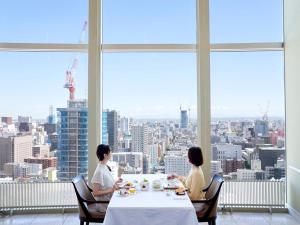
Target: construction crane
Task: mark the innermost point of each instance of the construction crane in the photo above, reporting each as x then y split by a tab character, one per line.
70	83
265	112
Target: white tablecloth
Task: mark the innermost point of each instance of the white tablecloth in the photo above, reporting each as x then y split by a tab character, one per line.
150	207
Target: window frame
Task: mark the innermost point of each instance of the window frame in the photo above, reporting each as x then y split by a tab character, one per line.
95	50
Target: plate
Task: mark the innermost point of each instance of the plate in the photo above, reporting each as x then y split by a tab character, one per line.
123	195
180	193
124	185
157	189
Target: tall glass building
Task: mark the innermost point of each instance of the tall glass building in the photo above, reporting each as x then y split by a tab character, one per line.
104	128
72	129
183	119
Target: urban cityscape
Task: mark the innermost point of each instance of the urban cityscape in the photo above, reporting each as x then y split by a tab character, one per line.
56	149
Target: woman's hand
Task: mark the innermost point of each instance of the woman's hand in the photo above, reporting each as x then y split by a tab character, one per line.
114	188
119	180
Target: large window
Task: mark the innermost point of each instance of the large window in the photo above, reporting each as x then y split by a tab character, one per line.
150	69
43	130
248	119
247	90
151	99
149	22
149	96
43	107
246	21
34	21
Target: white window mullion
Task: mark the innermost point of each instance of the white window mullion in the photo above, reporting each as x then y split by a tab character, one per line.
43	47
203	83
94	84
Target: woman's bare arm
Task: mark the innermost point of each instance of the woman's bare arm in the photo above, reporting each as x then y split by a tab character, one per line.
98	192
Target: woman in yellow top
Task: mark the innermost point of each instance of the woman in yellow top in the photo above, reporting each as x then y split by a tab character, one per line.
195	181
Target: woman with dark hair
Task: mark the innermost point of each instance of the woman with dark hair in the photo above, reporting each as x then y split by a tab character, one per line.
103	182
195	180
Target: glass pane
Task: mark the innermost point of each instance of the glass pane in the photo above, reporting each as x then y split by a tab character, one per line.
150	106
39	120
43	21
146	22
248	116
234	21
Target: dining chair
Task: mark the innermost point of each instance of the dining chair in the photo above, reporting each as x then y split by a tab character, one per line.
206	209
89	207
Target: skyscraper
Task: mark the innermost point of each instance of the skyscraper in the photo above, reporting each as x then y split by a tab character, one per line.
183	118
72	131
112	129
124	125
139	138
14	149
7	120
104	128
178	164
261	128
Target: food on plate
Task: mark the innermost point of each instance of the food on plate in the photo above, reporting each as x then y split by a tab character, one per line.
180	191
128	184
171	177
123	192
132	190
144	185
156	184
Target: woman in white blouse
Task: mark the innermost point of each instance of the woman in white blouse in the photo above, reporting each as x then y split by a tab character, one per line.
195	181
103	182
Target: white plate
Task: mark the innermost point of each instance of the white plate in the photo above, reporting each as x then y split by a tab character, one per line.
157	189
123	195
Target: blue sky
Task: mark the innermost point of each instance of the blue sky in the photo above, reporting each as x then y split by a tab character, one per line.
143	84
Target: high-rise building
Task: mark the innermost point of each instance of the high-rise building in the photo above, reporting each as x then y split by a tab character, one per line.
72	131
14	149
50	128
25	127
104	128
51	117
24	119
112	129
216	167
145	164
261	128
221	152
7	120
53	141
153	154
40	151
232	165
139	138
274	137
275	172
255	164
269	155
244	174
178	164
124	125
16	170
45	162
183	118
133	159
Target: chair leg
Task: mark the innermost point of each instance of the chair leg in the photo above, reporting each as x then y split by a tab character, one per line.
81	222
87	223
213	222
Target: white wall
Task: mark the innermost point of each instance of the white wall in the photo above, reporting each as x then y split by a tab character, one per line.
292	82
